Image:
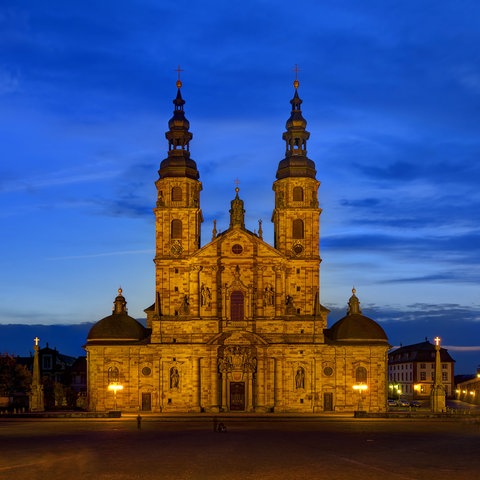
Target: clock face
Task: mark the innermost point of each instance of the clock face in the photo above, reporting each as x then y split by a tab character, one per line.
297	249
176	248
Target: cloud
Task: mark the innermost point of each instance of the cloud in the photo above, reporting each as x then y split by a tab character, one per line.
103	254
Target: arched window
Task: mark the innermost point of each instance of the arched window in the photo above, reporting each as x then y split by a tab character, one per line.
297	194
297	229
176	194
361	375
176	229
113	375
236	306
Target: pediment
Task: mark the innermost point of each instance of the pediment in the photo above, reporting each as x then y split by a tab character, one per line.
238	243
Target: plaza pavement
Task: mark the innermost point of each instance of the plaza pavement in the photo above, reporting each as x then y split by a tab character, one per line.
255	447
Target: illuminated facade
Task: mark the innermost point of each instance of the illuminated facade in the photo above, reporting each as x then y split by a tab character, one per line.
411	371
237	323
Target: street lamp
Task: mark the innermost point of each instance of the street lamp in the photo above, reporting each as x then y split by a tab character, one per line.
114	387
360	388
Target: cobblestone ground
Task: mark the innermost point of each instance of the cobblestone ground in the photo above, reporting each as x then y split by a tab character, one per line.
320	448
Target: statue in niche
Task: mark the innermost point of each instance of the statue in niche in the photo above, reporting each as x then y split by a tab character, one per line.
185	307
289	307
174	377
268	296
300	378
205	296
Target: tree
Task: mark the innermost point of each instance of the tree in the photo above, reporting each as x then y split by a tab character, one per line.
14	377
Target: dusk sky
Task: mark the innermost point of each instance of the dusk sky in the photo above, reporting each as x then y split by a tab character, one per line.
391	94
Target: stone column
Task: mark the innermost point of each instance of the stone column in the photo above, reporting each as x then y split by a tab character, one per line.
36	395
438	390
224	392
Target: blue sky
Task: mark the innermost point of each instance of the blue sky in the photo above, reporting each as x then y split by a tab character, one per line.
391	93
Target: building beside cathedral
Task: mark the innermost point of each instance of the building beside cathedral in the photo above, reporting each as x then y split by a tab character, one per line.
237	324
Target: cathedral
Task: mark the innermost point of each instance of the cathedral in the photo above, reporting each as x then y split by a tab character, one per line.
237	324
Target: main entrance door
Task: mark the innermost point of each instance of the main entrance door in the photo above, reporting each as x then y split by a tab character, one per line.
237	396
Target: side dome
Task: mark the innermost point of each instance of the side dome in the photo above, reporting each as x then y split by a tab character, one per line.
117	327
355	327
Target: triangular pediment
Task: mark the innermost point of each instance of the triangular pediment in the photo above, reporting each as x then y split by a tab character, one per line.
240	243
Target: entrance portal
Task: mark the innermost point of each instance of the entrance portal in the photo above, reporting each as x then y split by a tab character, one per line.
237	396
328	402
146	402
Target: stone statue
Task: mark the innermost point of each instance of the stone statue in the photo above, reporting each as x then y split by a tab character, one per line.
300	378
174	377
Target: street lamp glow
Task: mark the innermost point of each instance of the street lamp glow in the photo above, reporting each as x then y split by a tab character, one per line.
115	387
361	387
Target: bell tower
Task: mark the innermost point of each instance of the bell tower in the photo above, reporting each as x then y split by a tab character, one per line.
296	216
178	214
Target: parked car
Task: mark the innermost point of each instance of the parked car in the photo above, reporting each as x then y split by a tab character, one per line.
415	403
403	403
392	403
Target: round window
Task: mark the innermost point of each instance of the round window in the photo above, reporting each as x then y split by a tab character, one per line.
297	249
146	371
328	371
237	249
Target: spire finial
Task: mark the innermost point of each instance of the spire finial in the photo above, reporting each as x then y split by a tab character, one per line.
296	83
179	82
237	183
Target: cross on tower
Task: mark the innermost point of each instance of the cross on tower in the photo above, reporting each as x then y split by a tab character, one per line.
37	341
296	70
178	70
437	340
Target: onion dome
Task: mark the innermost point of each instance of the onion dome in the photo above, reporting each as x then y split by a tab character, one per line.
355	327
178	163
117	327
296	163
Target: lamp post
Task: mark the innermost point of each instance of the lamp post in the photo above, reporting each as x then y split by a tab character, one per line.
114	387
360	388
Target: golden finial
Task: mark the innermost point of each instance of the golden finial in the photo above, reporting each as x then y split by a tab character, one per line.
354	291
179	82
120	290
296	83
237	183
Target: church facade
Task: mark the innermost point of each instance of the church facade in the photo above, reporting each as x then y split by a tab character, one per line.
237	324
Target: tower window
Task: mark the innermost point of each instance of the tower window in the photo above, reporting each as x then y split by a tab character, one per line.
176	229
176	194
297	194
297	229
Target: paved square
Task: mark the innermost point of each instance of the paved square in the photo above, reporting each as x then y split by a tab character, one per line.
263	448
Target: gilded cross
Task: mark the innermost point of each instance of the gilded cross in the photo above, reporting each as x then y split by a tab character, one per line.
437	340
296	70
178	70
37	341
